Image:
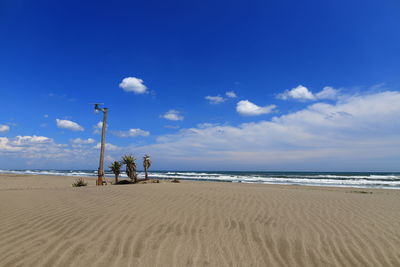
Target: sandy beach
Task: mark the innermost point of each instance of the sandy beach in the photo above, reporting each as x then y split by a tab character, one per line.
46	222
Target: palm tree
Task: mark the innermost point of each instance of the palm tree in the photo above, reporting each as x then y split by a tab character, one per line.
146	165
115	167
129	161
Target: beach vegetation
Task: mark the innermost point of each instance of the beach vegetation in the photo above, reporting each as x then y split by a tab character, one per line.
130	163
79	182
361	192
115	167
146	165
124	182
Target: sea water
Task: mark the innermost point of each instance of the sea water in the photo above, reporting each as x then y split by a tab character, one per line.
342	179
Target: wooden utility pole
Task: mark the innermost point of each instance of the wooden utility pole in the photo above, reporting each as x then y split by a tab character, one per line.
100	173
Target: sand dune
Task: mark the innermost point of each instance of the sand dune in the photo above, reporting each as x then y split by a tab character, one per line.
46	222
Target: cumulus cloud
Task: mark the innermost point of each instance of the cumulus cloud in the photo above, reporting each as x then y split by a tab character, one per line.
327	93
70	125
4	128
302	93
206	125
23	143
131	133
215	99
79	141
44	152
247	108
109	146
5	144
133	84
172	115
231	94
26	140
357	132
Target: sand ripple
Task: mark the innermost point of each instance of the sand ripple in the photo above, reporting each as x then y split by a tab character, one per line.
197	224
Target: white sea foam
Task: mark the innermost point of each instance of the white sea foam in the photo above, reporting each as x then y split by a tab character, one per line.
370	180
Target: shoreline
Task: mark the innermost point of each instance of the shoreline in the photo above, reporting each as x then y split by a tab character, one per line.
110	179
47	222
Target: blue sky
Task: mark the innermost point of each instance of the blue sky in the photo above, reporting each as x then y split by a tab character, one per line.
314	85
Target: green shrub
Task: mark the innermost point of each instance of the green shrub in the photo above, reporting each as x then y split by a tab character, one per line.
79	182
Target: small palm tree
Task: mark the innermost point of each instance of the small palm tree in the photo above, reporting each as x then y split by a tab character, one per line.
129	161
115	167
146	165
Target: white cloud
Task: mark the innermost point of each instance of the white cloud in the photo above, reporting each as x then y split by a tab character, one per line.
109	146
356	133
4	128
133	84
206	125
45	116
219	99
231	94
215	99
302	93
247	108
6	145
79	141
23	143
44	152
70	125
98	127
131	133
26	140
172	115
327	93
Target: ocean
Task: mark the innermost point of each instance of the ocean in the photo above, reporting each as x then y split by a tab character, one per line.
389	180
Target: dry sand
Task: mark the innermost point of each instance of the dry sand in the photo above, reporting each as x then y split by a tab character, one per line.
46	222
